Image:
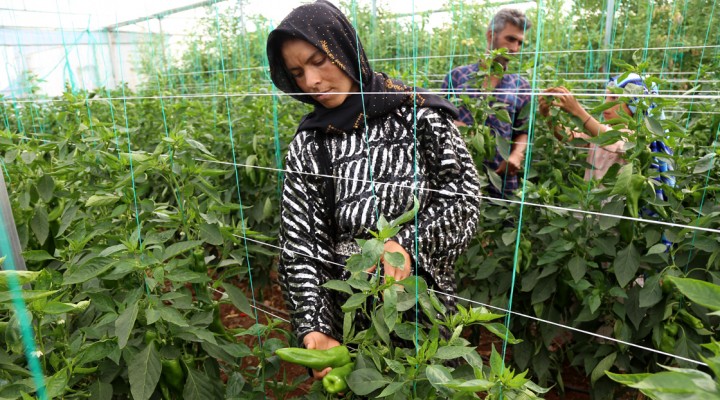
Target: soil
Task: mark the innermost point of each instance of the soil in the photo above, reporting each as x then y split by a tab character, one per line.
576	383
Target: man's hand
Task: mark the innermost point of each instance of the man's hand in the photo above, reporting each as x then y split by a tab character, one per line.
513	164
544	107
319	341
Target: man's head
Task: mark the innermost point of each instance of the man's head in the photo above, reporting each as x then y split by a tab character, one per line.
507	30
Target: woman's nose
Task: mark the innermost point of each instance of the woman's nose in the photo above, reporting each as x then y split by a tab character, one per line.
312	78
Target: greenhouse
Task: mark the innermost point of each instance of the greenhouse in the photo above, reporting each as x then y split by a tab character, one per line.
244	199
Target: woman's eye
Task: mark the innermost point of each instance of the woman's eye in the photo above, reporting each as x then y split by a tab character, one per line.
320	61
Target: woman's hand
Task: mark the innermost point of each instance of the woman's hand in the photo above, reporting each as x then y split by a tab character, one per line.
565	101
319	341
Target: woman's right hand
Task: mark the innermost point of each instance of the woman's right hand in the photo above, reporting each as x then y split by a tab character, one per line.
566	101
319	341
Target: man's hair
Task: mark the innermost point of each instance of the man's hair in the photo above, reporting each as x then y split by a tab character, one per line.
508	16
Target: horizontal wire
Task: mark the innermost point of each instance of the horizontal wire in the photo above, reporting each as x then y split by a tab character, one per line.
478	196
528	92
568	327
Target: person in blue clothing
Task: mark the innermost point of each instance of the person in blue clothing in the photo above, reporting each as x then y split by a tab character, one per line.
506	30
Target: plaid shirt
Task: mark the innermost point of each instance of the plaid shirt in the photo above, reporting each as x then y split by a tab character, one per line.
461	80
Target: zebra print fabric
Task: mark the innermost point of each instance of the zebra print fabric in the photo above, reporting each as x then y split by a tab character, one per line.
374	175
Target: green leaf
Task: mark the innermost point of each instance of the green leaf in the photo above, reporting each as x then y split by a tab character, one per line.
22	277
654	126
46	188
438	376
614	207
390	313
354	302
651	292
27	295
501	331
124	324
378	323
602	367
144	372
87	271
98	201
56	307
95	351
452	352
626	264
703	293
37	255
365	381
173	316
197	145
503	146
657	249
704	164
179	248
623	180
101	391
338	285
408	215
392	388
395	259
40	225
578	268
198	386
56	385
211	234
238	299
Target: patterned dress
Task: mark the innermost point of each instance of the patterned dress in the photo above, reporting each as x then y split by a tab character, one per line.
447	187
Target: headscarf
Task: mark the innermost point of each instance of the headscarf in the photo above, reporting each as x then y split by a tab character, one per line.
328	29
631	78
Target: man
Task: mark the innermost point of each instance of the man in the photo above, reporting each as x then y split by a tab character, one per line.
506	30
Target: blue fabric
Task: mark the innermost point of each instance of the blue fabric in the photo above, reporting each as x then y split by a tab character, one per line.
514	91
633	78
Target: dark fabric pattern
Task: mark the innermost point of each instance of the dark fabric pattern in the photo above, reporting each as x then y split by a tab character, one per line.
328	29
514	91
447	187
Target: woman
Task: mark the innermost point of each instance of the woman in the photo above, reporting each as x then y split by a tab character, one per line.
368	142
601	158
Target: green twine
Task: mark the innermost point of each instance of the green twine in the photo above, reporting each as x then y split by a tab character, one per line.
667	41
651	7
68	68
178	194
130	154
237	184
702	201
353	5
526	167
20	309
276	124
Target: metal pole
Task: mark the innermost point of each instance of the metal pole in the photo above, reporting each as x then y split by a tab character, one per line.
610	16
8	231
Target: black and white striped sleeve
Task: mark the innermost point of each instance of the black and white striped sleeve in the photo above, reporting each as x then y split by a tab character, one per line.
449	220
305	241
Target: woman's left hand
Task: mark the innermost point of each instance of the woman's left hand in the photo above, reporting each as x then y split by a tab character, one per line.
392	246
565	101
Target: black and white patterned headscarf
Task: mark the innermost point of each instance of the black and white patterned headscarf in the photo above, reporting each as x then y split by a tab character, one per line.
328	29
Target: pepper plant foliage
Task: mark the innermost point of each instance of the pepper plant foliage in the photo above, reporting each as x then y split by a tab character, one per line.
398	358
603	274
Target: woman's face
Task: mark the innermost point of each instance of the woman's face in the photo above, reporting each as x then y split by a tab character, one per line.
315	74
612	112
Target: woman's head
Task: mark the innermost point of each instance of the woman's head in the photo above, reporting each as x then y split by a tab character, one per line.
315	74
316	49
629	107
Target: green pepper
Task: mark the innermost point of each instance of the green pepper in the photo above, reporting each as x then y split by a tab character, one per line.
173	374
150	336
315	359
690	319
336	380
